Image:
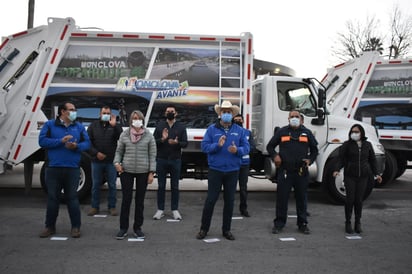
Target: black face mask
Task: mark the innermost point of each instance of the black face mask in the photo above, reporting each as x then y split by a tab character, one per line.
170	115
239	123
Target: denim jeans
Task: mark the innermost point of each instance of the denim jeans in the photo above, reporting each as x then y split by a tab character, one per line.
243	179
99	169
58	178
215	181
127	180
173	167
284	186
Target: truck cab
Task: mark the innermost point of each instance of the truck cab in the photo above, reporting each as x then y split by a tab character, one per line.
274	97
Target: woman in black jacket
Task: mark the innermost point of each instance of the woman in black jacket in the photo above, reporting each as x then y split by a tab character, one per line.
358	159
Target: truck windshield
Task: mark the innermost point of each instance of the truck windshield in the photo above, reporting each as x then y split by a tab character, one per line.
296	96
385	113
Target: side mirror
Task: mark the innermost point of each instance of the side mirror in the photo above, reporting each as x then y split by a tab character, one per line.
320	112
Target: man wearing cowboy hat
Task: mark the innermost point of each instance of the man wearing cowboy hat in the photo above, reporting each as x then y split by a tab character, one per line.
225	144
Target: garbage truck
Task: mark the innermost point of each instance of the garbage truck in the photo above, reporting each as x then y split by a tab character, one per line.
43	67
386	104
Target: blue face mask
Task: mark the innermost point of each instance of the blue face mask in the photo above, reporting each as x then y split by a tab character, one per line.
72	115
226	117
105	117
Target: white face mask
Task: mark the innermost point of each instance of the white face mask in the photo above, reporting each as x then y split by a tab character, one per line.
105	117
355	136
294	122
137	123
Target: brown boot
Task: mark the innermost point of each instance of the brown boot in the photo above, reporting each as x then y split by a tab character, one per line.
47	232
75	233
93	211
113	212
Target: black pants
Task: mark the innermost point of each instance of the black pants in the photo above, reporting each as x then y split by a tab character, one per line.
355	190
243	179
127	181
287	180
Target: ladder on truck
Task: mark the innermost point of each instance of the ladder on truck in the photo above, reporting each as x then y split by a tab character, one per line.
240	95
28	61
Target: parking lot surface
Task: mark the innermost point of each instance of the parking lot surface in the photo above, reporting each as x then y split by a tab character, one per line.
171	247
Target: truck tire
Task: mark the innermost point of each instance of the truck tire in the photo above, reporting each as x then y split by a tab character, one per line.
335	187
85	182
391	169
402	163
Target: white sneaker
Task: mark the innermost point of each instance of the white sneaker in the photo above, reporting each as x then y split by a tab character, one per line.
176	215
158	215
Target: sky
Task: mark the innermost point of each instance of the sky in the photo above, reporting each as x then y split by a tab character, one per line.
295	33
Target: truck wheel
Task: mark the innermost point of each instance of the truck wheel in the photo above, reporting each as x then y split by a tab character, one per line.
335	186
85	181
402	164
390	169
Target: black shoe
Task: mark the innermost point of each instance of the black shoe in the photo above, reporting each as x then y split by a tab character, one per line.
228	235
348	228
121	234
244	213
201	235
304	229
358	228
276	230
138	234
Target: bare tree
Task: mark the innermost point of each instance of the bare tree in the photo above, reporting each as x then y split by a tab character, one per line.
358	38
367	36
400	34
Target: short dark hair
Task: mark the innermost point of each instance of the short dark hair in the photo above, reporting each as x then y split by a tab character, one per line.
62	107
171	106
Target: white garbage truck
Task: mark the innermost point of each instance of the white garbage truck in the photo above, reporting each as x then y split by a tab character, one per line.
45	66
386	103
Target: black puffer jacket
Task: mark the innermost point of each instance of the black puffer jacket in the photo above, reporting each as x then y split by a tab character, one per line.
103	138
357	161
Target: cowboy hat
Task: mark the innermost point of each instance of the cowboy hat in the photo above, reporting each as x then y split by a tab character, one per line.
227	104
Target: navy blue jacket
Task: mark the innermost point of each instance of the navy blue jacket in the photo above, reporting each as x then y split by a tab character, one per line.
294	146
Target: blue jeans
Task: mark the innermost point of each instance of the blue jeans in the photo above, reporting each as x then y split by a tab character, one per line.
215	181
172	167
58	178
284	186
127	180
99	169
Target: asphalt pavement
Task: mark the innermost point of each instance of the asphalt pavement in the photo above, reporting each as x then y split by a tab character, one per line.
171	247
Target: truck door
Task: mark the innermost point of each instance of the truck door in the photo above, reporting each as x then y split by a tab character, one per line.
297	95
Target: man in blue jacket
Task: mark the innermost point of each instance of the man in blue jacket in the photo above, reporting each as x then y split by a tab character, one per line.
225	144
64	139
